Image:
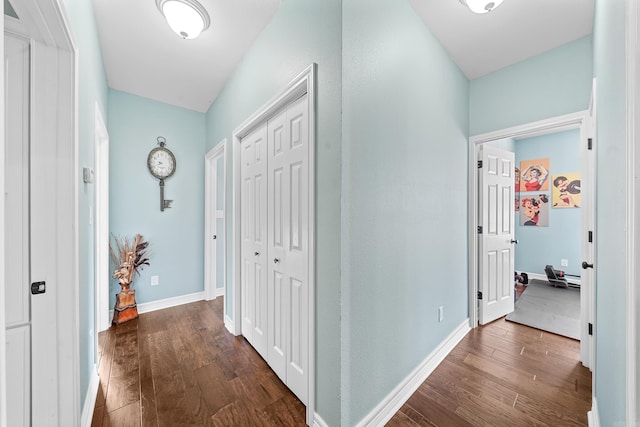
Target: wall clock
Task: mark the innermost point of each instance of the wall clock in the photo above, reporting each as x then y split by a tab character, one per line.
162	165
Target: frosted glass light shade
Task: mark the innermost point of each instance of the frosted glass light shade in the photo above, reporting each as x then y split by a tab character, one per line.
187	18
481	6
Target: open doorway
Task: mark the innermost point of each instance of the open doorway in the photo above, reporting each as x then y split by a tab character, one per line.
581	124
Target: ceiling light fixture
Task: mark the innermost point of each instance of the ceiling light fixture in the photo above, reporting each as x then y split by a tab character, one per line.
481	6
187	18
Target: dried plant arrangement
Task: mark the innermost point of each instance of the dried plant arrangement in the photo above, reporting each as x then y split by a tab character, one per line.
129	257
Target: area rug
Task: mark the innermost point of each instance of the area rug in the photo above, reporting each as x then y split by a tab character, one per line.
544	307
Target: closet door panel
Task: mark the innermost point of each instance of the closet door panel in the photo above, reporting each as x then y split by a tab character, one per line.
278	221
297	247
254	238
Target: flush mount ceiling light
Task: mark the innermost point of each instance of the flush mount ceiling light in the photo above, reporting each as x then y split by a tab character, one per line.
187	18
481	6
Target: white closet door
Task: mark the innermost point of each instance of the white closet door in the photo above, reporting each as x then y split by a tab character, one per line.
254	239
17	253
289	246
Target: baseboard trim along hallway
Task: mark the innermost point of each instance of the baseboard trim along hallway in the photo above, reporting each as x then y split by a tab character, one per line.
391	404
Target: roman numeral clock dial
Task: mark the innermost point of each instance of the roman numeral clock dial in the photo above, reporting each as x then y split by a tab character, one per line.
162	164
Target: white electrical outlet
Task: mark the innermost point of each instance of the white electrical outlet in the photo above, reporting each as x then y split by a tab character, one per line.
154	281
564	263
440	314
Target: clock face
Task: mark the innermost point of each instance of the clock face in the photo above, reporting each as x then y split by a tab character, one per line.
161	163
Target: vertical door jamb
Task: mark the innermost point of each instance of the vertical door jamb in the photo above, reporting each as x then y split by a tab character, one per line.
101	250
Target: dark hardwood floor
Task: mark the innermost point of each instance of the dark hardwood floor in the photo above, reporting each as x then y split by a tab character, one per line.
180	366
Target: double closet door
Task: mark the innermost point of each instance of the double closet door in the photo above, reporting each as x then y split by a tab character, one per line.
275	243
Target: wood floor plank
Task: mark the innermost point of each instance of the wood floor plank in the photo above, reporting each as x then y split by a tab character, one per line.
127	416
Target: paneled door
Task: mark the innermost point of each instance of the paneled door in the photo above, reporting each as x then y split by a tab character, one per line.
17	214
288	244
254	239
497	236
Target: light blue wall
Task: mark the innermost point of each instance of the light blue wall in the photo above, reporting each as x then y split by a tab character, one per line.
175	236
609	70
405	128
300	33
540	246
551	84
92	90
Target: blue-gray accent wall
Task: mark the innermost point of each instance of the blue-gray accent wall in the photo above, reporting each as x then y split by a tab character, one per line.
539	246
610	235
175	236
405	115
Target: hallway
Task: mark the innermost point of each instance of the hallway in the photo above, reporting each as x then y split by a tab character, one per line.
180	366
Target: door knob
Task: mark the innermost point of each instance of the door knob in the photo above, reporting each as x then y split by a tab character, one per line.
276	260
585	265
256	253
514	241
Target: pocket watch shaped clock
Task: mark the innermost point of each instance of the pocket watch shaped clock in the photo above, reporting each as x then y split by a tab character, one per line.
162	164
161	161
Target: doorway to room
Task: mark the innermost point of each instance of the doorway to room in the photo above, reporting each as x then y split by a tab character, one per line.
579	123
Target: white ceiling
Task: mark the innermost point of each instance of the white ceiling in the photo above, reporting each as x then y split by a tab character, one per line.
143	56
516	30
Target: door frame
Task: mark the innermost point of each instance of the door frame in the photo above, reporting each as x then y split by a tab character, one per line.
580	120
302	84
632	58
210	198
101	250
54	50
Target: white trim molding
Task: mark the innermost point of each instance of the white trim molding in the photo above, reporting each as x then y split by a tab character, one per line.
593	417
392	403
230	325
303	83
632	220
90	399
318	421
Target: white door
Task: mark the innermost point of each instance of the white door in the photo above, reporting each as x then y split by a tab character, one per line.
496	217
288	144
17	248
254	239
214	222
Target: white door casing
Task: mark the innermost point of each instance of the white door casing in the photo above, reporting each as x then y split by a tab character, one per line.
302	84
496	218
288	215
254	239
214	237
17	216
102	275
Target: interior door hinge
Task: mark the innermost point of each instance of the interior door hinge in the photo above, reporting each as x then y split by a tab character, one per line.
479	164
479	295
590	328
479	229
590	236
590	144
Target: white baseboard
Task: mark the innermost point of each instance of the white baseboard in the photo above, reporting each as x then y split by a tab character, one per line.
391	404
219	292
147	307
318	421
90	399
593	418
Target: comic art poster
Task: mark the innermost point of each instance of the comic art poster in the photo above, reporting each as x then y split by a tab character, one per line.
565	190
534	175
517	177
534	210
